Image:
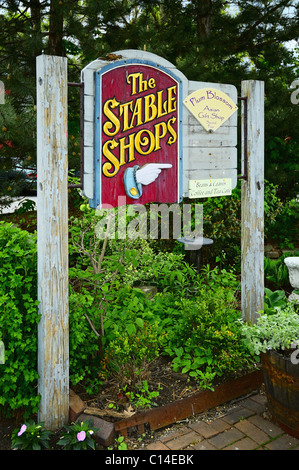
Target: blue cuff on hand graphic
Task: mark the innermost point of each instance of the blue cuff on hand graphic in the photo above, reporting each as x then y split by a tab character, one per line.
132	188
135	177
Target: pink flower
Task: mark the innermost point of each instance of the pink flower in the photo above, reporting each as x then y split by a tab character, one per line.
22	430
81	435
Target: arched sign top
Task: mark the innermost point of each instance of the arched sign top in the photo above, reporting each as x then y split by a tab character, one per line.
134	131
138	148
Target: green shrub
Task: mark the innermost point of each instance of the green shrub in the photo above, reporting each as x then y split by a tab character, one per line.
18	319
133	335
204	338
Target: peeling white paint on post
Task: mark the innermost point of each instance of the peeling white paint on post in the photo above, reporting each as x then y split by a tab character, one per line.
52	240
252	206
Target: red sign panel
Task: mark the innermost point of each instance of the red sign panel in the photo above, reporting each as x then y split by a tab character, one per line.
137	135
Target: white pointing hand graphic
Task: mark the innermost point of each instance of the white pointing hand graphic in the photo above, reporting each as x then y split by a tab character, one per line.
150	172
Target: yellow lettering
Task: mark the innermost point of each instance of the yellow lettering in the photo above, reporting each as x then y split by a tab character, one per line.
150	109
137	113
111	167
113	120
151	83
147	141
162	107
122	148
124	110
173	133
171	99
138	85
132	79
160	132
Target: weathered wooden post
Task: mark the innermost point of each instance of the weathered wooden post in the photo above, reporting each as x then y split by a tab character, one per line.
252	206
52	240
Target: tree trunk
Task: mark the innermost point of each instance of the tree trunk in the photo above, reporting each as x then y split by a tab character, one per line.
55	46
36	17
203	19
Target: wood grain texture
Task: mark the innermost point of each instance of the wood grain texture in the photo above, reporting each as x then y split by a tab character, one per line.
52	240
252	206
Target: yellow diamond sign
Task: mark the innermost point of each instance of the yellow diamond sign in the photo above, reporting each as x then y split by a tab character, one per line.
210	107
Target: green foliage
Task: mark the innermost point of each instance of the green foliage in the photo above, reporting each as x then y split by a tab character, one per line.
274	300
31	436
203	337
132	335
83	344
119	444
78	436
284	228
282	167
18	318
276	270
276	331
25	206
222	223
144	397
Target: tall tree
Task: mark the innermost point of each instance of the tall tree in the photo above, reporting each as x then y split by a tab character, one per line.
209	40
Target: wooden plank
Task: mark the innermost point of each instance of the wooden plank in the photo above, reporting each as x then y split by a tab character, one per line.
210	155
52	240
212	158
252	205
227	88
190	406
198	137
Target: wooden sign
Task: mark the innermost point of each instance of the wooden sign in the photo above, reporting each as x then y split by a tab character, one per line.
210	107
210	188
195	154
209	155
134	132
137	141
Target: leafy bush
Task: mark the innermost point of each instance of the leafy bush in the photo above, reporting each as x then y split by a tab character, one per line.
278	331
222	223
204	337
274	300
132	335
285	227
18	318
276	271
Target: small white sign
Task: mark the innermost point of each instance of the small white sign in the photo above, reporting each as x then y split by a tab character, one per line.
210	188
210	107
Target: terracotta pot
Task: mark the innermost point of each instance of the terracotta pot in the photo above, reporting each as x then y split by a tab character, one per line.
281	378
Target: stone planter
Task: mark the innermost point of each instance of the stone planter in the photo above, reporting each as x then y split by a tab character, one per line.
281	378
292	263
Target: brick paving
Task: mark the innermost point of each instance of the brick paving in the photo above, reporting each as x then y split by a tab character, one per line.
245	427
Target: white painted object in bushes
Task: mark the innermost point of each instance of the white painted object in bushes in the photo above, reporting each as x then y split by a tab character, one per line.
292	263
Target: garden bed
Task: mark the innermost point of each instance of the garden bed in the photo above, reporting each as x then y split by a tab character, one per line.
179	398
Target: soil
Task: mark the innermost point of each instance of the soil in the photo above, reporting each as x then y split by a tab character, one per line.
112	405
159	377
